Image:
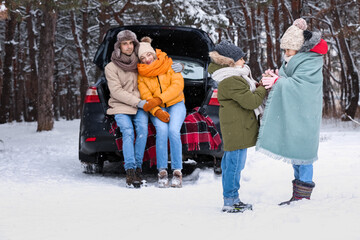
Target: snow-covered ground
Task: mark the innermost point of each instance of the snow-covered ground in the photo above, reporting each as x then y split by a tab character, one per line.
45	196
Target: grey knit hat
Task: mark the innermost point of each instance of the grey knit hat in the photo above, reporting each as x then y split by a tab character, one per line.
227	49
125	35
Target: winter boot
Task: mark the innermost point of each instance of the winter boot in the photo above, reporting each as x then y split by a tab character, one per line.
237	207
176	180
300	190
163	180
217	166
139	179
130	179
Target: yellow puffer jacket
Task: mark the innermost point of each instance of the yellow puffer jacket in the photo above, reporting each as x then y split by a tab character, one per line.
159	80
168	87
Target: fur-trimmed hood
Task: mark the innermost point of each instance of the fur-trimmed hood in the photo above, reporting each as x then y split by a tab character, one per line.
311	40
221	60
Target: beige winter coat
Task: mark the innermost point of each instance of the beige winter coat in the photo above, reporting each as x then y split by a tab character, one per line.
124	92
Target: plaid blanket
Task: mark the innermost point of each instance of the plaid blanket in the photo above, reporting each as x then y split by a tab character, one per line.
198	132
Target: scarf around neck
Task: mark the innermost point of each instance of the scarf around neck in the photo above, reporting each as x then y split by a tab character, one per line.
160	66
125	62
244	72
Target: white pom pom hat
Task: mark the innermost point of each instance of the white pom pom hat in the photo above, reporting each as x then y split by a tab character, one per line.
293	38
145	46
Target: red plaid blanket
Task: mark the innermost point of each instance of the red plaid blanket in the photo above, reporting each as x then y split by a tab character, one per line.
199	128
197	132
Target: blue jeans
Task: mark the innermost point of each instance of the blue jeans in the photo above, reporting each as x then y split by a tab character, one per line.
303	173
171	131
133	156
231	164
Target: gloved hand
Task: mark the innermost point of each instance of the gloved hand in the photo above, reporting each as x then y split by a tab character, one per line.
141	103
268	82
150	104
162	115
177	67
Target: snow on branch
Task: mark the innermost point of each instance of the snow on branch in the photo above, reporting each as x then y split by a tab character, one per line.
3	12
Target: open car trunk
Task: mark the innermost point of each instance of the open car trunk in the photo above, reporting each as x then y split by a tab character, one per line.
185	45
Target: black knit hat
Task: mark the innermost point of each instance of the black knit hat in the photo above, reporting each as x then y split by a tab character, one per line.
227	49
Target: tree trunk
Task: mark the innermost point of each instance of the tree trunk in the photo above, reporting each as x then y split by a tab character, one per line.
46	68
276	26
352	74
256	70
104	25
84	83
255	16
33	84
19	74
84	78
296	8
7	92
269	45
287	19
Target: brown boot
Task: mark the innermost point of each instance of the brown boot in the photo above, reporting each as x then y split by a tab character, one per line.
138	177
300	190
130	179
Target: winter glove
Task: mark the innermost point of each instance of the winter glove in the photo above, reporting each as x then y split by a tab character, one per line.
141	104
270	78
162	115
150	104
177	67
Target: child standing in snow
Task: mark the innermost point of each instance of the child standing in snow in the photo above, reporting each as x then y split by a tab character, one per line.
290	127
239	100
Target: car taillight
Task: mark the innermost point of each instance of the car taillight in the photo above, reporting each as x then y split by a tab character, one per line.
92	95
214	100
91	139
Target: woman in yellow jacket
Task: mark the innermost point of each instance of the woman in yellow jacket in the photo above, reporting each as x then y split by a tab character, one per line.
162	88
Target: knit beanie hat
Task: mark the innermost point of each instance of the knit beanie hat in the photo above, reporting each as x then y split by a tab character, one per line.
293	38
227	49
125	35
145	46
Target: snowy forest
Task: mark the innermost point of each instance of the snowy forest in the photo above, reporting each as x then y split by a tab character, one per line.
47	46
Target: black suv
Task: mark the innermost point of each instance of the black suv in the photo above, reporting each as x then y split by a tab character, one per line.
189	46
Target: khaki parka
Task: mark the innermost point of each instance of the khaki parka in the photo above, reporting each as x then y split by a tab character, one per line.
238	123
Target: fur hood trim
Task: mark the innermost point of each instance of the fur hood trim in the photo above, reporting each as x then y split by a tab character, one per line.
221	60
312	42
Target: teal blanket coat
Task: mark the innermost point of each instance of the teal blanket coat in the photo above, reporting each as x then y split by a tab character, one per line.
290	126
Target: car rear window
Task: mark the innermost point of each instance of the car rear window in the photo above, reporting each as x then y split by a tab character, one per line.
192	70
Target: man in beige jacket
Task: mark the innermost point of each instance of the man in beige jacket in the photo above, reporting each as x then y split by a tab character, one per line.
126	105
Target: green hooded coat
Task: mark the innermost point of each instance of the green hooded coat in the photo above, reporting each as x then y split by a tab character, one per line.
238	123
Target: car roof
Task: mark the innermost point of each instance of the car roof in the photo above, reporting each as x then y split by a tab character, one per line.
175	41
